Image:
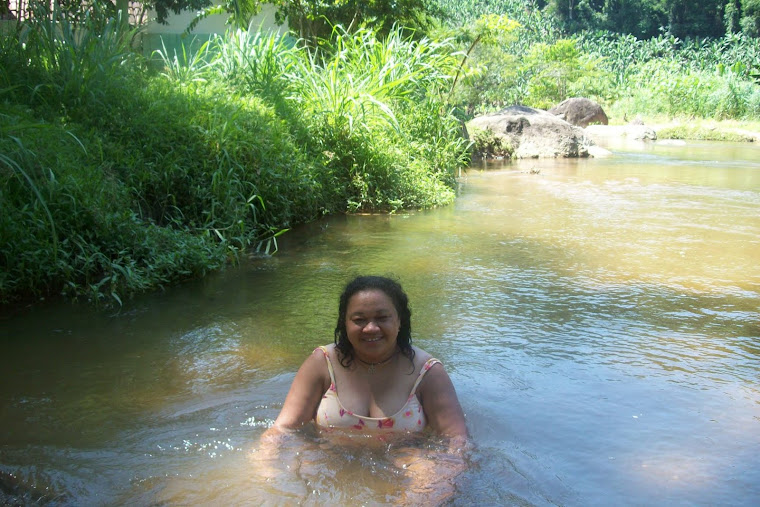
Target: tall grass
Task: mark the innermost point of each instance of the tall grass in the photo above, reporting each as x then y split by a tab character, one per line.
354	93
80	60
67	227
255	62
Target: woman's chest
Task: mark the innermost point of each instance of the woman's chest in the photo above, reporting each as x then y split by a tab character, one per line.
382	396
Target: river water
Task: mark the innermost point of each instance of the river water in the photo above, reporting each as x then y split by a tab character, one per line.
599	318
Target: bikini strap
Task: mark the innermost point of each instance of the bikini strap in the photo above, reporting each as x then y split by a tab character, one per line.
329	363
425	367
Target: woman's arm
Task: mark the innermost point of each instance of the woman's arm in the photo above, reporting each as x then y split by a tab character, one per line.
441	405
432	473
309	384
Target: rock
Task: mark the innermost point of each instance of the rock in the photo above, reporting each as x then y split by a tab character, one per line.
598	152
580	111
533	133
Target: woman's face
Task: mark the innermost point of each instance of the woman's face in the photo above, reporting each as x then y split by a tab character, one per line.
372	325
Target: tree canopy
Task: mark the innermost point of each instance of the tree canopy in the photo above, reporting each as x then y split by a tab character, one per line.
648	18
313	19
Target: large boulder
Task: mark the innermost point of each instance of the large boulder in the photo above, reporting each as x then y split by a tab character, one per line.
580	111
532	133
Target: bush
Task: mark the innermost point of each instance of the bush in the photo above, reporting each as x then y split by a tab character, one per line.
487	145
67	227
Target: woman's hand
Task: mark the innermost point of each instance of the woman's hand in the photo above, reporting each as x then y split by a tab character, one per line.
431	475
266	457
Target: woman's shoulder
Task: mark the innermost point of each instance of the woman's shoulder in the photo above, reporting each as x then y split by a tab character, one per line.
317	357
421	357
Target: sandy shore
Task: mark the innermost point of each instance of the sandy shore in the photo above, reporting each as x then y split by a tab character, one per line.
600	133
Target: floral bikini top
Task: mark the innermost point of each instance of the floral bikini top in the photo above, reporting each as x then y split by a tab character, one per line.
332	414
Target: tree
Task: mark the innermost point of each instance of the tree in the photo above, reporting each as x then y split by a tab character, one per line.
685	19
484	80
554	68
750	21
576	15
164	7
315	19
732	16
643	18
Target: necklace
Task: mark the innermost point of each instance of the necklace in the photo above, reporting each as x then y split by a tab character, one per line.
372	366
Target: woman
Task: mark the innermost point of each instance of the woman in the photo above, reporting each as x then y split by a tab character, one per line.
373	382
372	378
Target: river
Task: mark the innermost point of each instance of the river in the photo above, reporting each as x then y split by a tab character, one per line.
599	318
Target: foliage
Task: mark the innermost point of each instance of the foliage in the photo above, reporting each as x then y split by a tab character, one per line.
487	145
553	67
314	20
663	88
525	12
732	16
66	227
559	71
750	20
239	12
115	179
351	100
489	30
667	75
163	8
490	81
642	18
79	60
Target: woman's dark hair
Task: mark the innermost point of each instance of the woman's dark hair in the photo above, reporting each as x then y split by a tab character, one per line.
393	290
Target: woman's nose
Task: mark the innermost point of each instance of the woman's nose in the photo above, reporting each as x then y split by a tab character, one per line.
371	327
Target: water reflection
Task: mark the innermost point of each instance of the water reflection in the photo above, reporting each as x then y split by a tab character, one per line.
599	319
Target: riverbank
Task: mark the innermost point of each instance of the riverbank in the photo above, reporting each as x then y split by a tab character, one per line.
708	130
704	129
677	129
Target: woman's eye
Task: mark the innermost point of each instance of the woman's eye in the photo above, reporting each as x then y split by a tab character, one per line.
360	322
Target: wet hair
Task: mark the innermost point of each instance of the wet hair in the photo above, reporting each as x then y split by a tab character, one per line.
390	288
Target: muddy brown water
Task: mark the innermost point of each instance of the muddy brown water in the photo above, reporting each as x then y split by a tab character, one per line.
599	318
